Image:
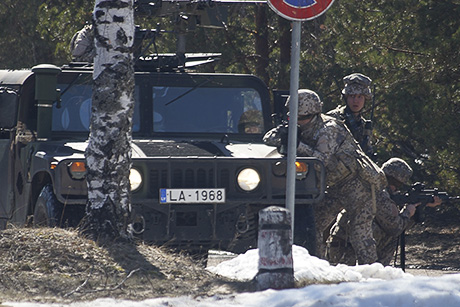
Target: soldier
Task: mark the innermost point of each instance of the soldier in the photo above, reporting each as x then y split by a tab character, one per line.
355	93
350	175
251	122
389	221
82	45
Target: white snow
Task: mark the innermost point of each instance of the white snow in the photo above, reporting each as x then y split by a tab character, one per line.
325	285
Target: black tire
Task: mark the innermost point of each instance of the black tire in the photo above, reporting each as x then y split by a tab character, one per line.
48	210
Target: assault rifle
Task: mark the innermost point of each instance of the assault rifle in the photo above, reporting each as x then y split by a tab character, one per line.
417	194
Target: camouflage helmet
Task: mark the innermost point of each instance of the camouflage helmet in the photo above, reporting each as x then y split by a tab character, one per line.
309	103
357	84
398	169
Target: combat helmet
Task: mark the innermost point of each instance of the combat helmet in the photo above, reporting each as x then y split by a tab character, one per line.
309	103
398	169
357	84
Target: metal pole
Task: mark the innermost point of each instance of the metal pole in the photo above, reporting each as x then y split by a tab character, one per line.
293	110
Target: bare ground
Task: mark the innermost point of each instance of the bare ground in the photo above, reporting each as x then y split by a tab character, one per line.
57	265
435	244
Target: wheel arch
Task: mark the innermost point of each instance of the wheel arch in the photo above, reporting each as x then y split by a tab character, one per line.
38	182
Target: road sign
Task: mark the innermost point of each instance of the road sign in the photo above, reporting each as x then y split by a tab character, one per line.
299	10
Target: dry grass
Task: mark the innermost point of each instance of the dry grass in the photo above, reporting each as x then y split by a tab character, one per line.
57	265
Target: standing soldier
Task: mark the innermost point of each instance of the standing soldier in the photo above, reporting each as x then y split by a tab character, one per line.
355	93
350	175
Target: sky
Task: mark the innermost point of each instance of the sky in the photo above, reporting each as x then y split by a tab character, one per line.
325	285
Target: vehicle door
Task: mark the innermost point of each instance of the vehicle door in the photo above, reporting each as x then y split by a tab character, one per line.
8	120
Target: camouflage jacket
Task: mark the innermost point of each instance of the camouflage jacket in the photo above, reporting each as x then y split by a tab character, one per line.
82	45
389	217
357	126
329	140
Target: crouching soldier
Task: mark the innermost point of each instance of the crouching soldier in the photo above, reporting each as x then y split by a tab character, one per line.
390	221
350	175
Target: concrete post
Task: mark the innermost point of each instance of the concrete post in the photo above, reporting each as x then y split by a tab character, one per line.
275	249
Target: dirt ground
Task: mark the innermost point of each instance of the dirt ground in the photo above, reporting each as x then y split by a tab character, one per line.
435	244
57	265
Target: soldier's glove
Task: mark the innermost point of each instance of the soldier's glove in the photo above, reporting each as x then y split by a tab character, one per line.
278	137
283	135
274	136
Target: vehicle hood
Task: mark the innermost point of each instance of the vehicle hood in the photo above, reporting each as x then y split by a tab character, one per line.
203	148
166	148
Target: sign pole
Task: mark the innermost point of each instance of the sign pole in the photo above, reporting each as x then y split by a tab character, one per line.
297	11
292	130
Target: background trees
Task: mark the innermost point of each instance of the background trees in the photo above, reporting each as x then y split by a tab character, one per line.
409	48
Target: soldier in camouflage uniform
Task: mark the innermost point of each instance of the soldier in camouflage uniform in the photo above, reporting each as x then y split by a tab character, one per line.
389	221
350	175
82	45
355	94
251	122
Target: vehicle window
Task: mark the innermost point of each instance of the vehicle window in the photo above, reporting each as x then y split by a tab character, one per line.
74	115
8	109
218	110
176	110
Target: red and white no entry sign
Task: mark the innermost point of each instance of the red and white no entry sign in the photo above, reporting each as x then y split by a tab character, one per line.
299	10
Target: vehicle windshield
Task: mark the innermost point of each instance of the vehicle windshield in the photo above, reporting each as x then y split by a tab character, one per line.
175	110
221	110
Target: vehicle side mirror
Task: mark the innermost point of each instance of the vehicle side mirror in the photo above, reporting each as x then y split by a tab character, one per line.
8	109
279	105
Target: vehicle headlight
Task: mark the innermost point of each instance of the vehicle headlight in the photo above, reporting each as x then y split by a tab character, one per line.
77	170
135	179
248	179
301	170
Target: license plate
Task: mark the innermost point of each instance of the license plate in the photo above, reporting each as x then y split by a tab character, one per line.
192	196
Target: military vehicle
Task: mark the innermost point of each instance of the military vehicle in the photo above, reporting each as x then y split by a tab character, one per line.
200	172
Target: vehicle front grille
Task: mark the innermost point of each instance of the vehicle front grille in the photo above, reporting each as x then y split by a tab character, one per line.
188	178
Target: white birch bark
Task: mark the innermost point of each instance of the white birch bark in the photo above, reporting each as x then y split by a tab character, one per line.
108	155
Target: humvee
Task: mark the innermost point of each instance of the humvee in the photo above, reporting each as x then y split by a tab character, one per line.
200	170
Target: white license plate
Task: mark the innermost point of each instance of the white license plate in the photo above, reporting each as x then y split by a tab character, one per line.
192	196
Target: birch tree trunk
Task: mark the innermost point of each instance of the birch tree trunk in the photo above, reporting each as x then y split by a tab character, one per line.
108	155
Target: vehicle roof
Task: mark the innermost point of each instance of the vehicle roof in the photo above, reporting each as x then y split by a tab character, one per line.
14	77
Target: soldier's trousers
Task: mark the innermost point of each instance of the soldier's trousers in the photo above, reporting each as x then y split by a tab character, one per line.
339	249
356	197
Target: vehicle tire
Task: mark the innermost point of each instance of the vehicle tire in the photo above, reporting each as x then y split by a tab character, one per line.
48	209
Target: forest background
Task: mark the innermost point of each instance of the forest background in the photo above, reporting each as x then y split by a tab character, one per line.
410	49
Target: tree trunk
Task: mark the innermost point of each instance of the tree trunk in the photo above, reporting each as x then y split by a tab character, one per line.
108	155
